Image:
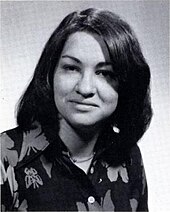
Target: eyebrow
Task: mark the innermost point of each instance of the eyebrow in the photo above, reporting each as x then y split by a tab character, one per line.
71	57
100	64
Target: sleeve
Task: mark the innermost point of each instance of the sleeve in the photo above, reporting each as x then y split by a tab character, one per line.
6	195
143	200
139	181
8	183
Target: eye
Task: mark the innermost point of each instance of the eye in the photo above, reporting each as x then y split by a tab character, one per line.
70	68
106	74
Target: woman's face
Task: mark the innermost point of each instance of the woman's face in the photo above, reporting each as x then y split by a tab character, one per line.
84	81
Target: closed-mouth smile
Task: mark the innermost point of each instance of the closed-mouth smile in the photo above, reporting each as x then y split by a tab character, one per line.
84	103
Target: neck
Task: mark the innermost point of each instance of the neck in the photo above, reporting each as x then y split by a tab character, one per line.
80	142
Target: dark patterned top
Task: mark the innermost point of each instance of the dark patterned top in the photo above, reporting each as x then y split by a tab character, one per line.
33	181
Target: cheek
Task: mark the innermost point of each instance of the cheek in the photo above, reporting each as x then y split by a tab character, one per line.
62	85
108	95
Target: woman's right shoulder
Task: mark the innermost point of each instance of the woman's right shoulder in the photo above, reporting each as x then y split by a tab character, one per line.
19	147
12	138
11	143
12	132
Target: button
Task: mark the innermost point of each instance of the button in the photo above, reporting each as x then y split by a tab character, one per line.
91	199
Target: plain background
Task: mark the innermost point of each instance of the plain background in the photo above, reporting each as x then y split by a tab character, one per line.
25	28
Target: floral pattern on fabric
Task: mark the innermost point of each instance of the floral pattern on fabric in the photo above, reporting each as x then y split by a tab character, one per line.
23	206
107	202
81	206
32	178
113	173
32	141
32	182
134	204
7	151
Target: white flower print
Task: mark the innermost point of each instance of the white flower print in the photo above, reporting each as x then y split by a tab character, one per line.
23	206
113	173
7	151
107	202
32	177
33	140
134	204
3	177
81	206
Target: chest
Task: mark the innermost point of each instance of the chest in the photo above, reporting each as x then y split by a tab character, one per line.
54	186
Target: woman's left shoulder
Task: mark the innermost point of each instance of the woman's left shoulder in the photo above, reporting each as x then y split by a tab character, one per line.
136	166
138	178
135	154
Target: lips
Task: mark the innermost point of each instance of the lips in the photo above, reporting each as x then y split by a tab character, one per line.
86	103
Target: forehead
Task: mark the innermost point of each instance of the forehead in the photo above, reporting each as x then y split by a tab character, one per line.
86	45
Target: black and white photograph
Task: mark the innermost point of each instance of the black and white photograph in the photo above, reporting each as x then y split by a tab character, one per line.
85	106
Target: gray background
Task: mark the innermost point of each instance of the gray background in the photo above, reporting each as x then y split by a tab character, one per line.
26	26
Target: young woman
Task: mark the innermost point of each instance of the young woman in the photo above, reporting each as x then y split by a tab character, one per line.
79	121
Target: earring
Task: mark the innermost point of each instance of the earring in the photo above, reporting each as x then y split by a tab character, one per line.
115	129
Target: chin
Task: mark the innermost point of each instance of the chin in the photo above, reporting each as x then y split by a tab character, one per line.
84	122
80	124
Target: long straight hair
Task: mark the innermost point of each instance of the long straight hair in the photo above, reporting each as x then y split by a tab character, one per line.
133	113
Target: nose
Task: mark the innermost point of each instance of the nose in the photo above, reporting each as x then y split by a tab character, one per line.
86	85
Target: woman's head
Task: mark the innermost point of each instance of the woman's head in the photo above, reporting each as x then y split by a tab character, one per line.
133	112
85	85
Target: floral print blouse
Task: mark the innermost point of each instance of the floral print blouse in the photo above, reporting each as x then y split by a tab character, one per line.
32	181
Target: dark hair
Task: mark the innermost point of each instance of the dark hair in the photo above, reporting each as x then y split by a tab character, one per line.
133	113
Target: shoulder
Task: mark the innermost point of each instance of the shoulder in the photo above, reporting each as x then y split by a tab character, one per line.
14	134
11	142
136	167
18	146
135	154
138	179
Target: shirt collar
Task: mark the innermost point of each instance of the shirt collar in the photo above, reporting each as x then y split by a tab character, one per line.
39	139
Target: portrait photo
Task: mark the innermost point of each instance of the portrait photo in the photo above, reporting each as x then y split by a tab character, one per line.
85	105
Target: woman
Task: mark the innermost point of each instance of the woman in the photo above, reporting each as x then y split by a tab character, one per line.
79	121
